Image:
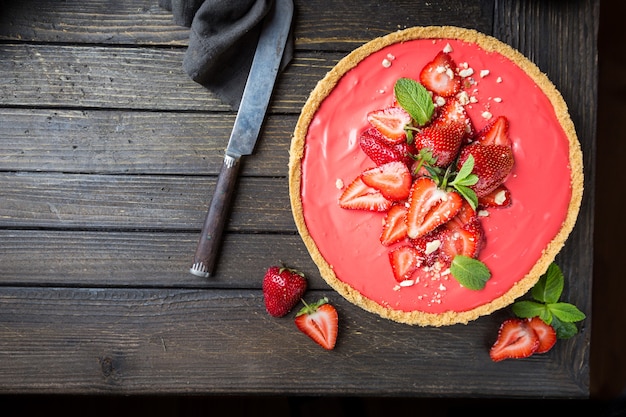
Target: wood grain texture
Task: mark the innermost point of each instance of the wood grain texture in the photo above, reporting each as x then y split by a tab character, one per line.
198	341
108	159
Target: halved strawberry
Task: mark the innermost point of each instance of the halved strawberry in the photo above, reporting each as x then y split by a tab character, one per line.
545	333
429	207
440	77
454	112
381	151
404	262
394	225
391	122
500	197
444	141
429	245
492	164
320	322
465	215
516	339
461	240
359	196
495	132
392	179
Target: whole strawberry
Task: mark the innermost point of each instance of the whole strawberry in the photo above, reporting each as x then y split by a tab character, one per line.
282	289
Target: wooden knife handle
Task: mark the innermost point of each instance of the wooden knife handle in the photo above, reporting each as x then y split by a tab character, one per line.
216	217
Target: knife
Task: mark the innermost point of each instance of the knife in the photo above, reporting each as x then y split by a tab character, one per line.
254	102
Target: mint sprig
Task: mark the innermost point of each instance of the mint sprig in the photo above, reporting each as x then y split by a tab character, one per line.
464	179
545	304
415	99
471	273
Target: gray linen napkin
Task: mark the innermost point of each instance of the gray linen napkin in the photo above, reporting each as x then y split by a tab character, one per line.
222	40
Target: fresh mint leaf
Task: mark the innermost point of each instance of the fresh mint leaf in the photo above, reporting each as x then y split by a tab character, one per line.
546	293
471	273
415	99
468	194
566	312
528	309
463	179
564	330
550	286
466	169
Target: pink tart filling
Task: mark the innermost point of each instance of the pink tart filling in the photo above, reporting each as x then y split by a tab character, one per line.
540	184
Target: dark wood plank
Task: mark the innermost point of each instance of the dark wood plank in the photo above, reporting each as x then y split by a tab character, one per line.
95	77
144	341
137	202
89	77
142	22
98	21
143	259
125	142
561	39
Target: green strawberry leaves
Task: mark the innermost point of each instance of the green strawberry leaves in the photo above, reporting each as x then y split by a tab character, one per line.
545	304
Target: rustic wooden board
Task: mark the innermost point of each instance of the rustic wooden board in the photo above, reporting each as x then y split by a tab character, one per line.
142	22
125	142
199	341
143	259
138	202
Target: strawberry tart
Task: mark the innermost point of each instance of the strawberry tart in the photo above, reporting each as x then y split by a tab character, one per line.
434	175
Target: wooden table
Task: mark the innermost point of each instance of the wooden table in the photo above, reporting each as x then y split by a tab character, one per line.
108	157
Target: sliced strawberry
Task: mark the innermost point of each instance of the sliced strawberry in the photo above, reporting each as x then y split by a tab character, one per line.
381	151
500	197
495	132
440	77
320	322
454	112
465	215
429	245
516	339
444	141
358	196
492	164
545	333
461	240
392	179
404	262
429	207
391	122
394	225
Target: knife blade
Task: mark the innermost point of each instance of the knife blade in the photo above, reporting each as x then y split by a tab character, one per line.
254	102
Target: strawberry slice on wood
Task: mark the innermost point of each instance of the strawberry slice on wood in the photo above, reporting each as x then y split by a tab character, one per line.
516	339
440	77
430	207
391	122
320	322
394	225
392	179
545	333
404	262
359	196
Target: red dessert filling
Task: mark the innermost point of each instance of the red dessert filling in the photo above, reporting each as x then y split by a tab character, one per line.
515	236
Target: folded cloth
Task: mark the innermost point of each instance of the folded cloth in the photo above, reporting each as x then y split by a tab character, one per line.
222	41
